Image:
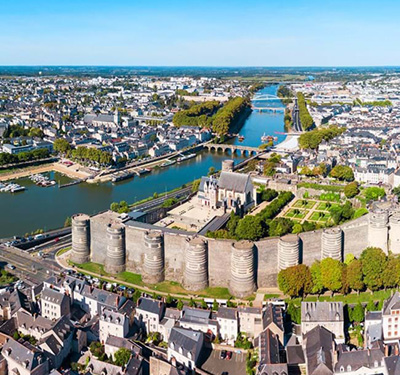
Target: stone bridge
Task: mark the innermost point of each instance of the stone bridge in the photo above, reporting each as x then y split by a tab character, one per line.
239	150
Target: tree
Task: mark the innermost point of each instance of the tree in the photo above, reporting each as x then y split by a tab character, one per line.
211	171
351	189
122	356
373	262
293	313
345	288
374	193
358	313
192	303
355	275
61	146
215	305
179	305
331	274
295	281
67	222
169	300
391	276
371	305
250	228
317	285
280	226
342	172
203	304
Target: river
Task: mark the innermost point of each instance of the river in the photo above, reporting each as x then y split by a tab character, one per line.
48	207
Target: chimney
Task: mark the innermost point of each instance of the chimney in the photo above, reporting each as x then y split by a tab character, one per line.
396	349
386	350
369	352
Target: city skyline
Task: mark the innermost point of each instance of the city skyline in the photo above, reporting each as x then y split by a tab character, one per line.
180	33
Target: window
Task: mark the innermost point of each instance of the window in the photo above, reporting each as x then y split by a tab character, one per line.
348	368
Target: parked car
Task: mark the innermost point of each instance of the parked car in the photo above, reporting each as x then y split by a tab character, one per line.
229	355
223	354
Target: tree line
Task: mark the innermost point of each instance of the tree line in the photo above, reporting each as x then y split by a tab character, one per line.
373	270
263	224
6	158
305	118
212	115
92	154
313	138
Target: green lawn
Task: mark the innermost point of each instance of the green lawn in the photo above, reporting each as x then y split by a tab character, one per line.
270	296
316	217
304	203
63	251
130	277
93	267
324	206
300	215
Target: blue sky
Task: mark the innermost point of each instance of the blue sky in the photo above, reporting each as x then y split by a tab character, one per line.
200	33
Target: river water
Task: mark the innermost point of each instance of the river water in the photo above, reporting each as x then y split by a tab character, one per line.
47	207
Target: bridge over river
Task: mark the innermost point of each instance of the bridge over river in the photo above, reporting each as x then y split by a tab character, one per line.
238	149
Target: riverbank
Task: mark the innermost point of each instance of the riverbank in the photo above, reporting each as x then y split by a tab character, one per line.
73	171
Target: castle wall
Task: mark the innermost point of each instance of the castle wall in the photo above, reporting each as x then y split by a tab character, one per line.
355	240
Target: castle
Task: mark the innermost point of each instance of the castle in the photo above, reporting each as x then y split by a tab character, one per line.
198	262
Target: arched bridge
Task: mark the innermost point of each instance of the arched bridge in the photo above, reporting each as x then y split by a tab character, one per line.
240	150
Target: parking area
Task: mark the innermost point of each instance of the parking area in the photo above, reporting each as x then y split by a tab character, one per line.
234	366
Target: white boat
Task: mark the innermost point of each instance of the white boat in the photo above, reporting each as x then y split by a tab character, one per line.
185	157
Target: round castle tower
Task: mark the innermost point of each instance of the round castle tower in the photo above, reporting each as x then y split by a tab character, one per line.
153	264
115	257
331	243
80	229
195	276
242	282
288	251
227	165
394	233
378	228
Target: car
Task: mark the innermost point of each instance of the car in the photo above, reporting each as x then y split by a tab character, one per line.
57	239
222	354
229	355
10	266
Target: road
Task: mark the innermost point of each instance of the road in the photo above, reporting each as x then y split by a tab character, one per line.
158	201
31	266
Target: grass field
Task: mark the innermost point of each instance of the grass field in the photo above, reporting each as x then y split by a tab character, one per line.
325	206
301	214
304	203
352	298
63	251
170	287
321	217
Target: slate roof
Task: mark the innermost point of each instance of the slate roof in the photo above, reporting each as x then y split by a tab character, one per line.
393	303
321	311
357	359
112	316
392	365
98	367
186	339
150	305
51	295
318	350
268	347
23	353
233	181
105	298
197	316
294	352
273	369
227	313
273	314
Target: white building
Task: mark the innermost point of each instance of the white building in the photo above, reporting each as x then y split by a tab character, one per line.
112	323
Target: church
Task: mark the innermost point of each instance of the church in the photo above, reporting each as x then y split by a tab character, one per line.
230	191
102	120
